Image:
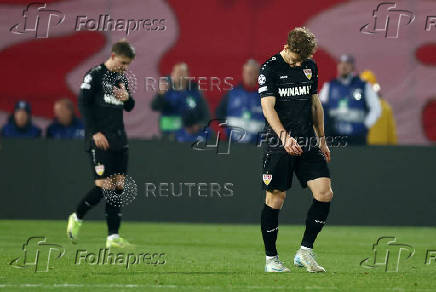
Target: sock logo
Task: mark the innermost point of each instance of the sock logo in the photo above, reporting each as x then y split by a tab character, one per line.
267	178
319	221
99	169
274	229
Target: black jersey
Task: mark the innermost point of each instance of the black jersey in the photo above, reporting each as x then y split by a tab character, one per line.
293	88
100	109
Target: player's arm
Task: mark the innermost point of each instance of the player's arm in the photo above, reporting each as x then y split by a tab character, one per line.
374	106
318	125
86	101
290	144
318	114
122	93
129	104
268	92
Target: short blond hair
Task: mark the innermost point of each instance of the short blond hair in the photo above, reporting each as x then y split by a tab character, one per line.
302	42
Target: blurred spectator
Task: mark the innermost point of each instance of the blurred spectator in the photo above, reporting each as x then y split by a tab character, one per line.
350	105
175	97
240	107
65	125
20	123
383	132
192	130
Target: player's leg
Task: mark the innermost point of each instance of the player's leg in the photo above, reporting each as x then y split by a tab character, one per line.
313	172
270	228
89	201
270	220
315	221
319	210
99	166
113	208
277	177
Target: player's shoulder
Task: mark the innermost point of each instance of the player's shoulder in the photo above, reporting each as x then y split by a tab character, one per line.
96	70
94	74
271	64
309	63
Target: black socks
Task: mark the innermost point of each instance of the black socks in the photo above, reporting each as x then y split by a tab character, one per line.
91	199
315	220
269	224
113	218
113	214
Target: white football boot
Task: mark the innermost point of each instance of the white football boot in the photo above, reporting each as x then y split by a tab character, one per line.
306	258
273	264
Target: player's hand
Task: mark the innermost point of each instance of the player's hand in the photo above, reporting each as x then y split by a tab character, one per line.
163	86
291	146
121	93
100	141
324	149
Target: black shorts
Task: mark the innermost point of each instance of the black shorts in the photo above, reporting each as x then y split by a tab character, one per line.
109	162
279	167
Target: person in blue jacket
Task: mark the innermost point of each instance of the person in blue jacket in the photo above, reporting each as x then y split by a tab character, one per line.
351	106
241	108
175	97
192	129
20	123
65	124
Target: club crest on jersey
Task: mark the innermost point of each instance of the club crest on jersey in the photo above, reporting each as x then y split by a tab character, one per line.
308	73
267	178
99	169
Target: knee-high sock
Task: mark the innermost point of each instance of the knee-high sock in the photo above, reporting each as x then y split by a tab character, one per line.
91	199
113	218
315	220
269	224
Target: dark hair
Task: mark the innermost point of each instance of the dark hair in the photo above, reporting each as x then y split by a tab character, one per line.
191	117
67	102
302	42
124	48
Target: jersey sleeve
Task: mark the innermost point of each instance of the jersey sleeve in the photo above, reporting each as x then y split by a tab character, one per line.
314	88
86	99
267	81
130	103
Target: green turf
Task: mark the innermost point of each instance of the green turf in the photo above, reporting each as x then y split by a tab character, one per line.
215	258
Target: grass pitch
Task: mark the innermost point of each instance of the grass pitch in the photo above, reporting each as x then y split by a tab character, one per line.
212	257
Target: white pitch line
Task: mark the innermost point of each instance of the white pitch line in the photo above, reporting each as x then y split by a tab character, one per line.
71	285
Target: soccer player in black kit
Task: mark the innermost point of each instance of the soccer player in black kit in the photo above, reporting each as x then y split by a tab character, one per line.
104	95
288	84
